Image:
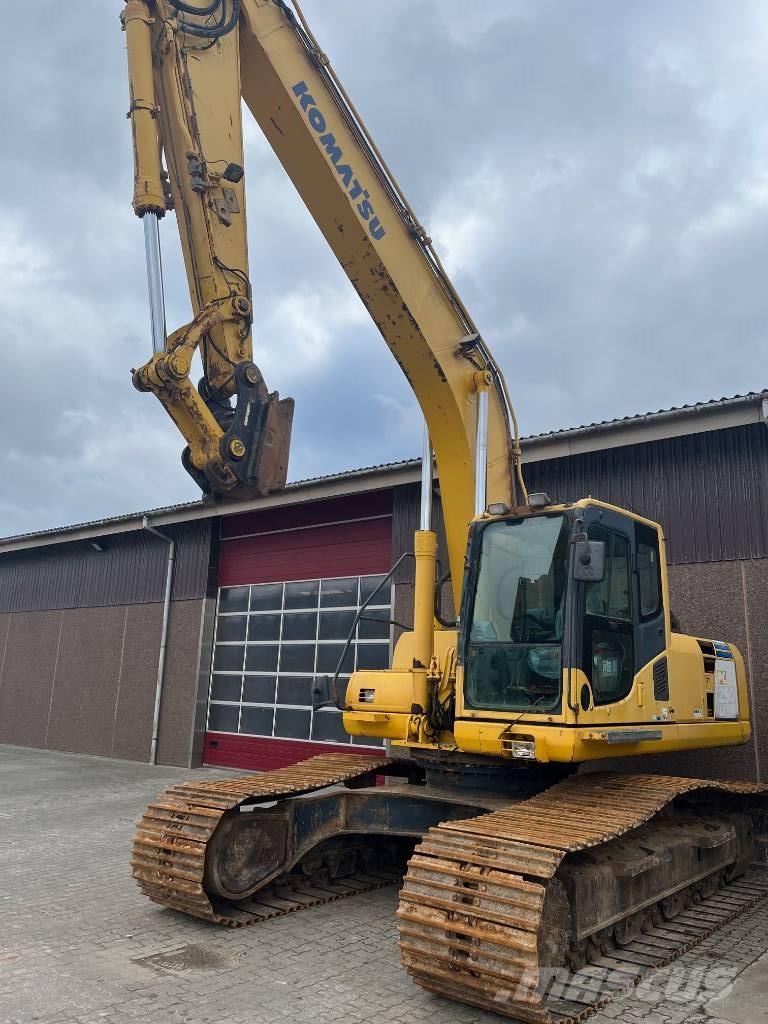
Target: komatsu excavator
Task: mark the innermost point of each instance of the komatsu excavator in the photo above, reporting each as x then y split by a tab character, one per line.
534	885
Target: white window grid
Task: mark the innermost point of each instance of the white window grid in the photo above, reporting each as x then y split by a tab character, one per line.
382	603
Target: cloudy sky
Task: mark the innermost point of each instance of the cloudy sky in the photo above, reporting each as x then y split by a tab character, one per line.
595	174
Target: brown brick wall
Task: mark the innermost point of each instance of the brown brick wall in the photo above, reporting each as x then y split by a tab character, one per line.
83	680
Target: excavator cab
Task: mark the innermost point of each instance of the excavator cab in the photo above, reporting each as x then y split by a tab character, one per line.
579	589
563	651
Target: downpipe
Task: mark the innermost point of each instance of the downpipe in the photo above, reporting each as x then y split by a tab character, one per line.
163	635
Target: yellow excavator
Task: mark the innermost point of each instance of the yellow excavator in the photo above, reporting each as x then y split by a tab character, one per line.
535	885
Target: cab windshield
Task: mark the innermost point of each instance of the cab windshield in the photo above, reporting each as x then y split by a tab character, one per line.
514	656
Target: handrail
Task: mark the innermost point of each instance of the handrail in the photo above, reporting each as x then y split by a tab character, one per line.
332	692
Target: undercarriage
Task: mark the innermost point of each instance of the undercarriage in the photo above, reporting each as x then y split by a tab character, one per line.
539	908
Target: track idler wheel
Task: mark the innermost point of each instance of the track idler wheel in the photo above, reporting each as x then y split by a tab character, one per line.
630	929
245	852
673	905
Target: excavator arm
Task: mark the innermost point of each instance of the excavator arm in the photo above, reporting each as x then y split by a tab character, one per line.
189	66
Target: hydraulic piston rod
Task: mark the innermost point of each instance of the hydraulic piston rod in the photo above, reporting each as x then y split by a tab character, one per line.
426	482
155	280
481	449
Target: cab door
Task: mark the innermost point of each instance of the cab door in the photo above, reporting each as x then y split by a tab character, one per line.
622	618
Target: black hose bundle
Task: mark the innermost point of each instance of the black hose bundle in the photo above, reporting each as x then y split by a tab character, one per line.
212	8
221	28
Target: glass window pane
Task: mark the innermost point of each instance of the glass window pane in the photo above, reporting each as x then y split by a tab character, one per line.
297	658
374	625
648	576
339	593
367	586
223	717
231	627
373	656
612	666
609	597
328	658
264	627
225	687
228	658
256	721
301	595
292	724
261	658
295	690
233	599
335	625
259	690
267	597
620	576
328	726
300	626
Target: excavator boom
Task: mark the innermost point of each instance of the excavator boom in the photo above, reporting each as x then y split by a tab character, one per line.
190	105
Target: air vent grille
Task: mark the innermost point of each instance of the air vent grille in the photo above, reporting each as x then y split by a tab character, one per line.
708	650
661	680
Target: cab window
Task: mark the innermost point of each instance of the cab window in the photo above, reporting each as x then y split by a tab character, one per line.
608	649
648	572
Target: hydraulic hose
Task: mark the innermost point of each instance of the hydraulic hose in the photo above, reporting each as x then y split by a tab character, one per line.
179	5
214	31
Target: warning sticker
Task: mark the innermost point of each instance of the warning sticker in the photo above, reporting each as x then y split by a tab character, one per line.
726	690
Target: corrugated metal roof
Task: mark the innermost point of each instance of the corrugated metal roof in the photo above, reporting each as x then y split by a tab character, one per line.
650	419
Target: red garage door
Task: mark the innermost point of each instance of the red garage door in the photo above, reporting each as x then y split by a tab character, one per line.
290	584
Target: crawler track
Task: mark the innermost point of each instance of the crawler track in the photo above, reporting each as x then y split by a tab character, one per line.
483	914
169	847
473	916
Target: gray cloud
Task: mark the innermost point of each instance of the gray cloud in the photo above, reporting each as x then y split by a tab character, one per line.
596	175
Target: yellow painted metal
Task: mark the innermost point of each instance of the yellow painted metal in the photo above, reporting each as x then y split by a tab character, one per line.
186	102
559	744
425	549
357	206
148	193
422	323
387	710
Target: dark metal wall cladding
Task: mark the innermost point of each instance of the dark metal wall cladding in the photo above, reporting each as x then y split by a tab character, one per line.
708	490
406	505
130	570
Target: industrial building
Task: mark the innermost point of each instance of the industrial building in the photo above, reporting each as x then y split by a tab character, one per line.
193	633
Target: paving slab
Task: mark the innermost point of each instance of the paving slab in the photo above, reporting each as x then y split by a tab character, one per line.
80	945
746	1000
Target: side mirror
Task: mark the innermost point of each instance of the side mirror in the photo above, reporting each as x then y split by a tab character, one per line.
589	565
